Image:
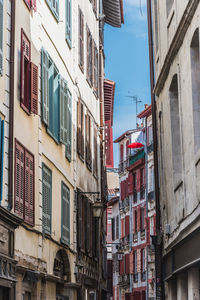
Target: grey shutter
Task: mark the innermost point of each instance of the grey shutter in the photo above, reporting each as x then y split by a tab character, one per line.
69	126
45	87
1	36
63	111
46	199
65	233
68	21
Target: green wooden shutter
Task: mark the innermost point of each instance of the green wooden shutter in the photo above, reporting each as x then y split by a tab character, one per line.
69	126
46	198
45	87
55	8
65	226
68	21
63	111
1	36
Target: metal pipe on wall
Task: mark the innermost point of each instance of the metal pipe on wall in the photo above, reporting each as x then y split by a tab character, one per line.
158	252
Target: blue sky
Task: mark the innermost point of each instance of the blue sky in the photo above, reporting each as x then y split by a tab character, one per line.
127	63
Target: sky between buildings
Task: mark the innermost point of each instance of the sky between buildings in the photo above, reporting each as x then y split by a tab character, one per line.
127	63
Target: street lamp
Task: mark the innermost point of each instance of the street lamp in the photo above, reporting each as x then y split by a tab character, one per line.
97	208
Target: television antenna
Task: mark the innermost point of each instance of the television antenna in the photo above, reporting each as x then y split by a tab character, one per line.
137	101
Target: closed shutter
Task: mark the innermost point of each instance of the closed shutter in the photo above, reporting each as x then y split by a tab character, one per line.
1	37
138	219
19	179
95	153
63	111
25	72
127	226
79	127
65	229
1	156
130	184
95	65
131	260
88	225
69	126
154	224
29	189
34	89
45	87
134	221
139	260
117	227
68	21
127	266
46	198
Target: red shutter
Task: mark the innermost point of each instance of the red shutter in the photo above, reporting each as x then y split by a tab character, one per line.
127	227
33	4
19	180
138	181
139	260
122	228
130	184
147	230
34	89
29	189
138	219
121	152
25	71
131	257
127	266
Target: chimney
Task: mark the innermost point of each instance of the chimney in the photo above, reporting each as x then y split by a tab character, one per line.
146	105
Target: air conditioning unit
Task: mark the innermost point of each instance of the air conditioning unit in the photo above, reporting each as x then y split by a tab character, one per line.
120	256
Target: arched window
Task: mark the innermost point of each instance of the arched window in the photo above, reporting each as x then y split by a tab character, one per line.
195	75
175	128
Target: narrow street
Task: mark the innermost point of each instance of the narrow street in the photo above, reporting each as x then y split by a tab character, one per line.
99	149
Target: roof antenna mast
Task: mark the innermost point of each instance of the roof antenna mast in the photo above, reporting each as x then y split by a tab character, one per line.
136	100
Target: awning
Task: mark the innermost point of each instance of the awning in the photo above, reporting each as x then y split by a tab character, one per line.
113	11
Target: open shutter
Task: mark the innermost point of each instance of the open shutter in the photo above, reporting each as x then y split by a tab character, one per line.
130	184
88	225
34	5
1	157
79	127
154	224
68	21
25	71
46	198
131	262
127	258
127	227
34	89
63	111
55	8
95	153
45	87
19	179
65	230
69	126
133	221
148	230
81	39
139	260
29	188
79	221
1	37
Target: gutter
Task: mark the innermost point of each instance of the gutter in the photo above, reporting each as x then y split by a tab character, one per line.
11	110
158	252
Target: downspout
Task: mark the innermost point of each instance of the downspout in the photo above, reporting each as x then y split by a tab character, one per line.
11	109
158	246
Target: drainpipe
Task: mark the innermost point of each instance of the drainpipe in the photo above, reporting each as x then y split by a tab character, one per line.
158	246
11	109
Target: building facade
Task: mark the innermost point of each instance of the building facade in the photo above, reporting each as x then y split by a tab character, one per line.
176	87
51	148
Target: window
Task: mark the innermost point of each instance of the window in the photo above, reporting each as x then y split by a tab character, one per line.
117	227
26	296
142	220
195	73
81	40
1	156
88	141
65	218
96	75
31	4
95	164
54	6
1	37
56	103
69	22
46	198
175	134
29	78
113	229
80	129
89	57
24	183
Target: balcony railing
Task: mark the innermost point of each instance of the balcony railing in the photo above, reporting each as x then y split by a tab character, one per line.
133	158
